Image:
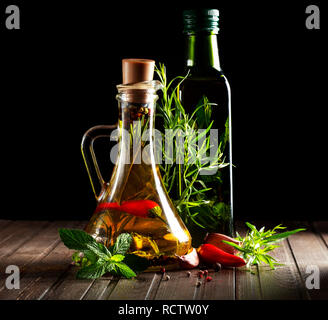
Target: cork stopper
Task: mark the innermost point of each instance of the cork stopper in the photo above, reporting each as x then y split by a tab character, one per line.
137	70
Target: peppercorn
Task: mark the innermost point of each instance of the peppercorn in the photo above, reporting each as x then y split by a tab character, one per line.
188	274
198	283
167	278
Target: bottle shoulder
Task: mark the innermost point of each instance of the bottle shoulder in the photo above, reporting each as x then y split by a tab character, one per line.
208	74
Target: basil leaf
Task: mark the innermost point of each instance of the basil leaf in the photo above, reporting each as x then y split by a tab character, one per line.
75	239
124	270
122	244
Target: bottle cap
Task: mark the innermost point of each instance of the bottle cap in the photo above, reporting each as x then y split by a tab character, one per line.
201	20
137	70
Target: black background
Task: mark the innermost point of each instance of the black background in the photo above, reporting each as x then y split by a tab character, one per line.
59	73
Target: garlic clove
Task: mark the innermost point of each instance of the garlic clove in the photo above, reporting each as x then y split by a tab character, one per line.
190	260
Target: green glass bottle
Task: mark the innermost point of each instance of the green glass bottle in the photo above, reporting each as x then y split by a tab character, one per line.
207	81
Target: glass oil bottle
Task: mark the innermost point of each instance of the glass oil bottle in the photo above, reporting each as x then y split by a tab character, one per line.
135	200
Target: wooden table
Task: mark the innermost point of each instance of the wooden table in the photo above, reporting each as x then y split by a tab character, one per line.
46	273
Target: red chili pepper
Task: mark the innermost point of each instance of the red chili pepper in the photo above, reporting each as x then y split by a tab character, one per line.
139	208
210	254
107	205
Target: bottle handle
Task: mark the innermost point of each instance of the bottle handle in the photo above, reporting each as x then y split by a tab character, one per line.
89	156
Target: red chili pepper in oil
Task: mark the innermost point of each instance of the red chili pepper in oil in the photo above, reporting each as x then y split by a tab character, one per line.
210	254
139	208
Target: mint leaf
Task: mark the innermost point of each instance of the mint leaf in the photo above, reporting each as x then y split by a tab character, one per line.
90	255
122	244
99	249
124	270
117	258
75	239
98	259
93	271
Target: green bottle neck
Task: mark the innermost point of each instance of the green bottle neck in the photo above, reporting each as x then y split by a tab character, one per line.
202	51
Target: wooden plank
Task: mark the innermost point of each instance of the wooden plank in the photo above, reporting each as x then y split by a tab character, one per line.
283	283
222	286
68	287
28	256
247	284
4	224
321	228
182	287
309	250
48	271
100	289
21	232
8	228
45	271
179	287
143	287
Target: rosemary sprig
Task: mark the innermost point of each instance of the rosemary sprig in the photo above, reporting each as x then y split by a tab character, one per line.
254	247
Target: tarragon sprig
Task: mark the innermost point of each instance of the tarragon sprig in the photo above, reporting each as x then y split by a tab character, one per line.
254	247
191	191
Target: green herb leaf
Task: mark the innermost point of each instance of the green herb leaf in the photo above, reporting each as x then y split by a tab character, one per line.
124	270
93	271
117	258
97	258
185	182
236	246
99	249
75	239
255	245
281	236
122	244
